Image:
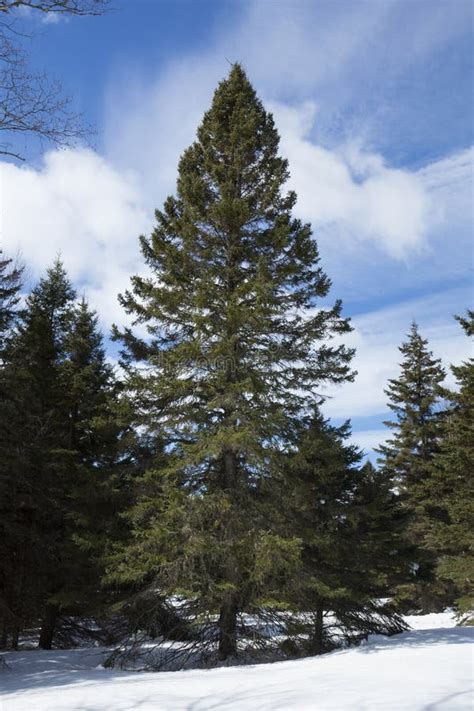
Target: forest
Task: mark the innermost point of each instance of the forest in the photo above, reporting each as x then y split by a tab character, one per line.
193	498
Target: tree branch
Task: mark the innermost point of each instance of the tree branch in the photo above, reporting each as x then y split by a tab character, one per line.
71	7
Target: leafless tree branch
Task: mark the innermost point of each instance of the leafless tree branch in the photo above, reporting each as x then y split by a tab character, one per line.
31	103
71	7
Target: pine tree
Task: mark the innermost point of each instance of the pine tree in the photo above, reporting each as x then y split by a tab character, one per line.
351	527
416	399
237	347
451	509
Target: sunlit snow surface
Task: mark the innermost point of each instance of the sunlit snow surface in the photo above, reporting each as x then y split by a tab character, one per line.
429	668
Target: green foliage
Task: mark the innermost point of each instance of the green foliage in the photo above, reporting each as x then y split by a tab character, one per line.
59	441
10	284
416	398
451	534
207	489
31	449
351	526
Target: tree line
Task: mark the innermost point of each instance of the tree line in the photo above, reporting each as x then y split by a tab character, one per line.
197	493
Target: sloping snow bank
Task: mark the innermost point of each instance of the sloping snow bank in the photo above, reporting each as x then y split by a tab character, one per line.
426	669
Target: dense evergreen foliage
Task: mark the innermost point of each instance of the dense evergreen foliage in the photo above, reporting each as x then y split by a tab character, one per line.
415	397
351	526
10	283
451	534
58	438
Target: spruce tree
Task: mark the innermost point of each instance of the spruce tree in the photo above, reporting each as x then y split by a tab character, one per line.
34	445
351	526
416	399
60	447
92	437
237	347
451	508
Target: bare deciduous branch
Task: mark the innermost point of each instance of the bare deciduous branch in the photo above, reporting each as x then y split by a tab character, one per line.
72	7
31	103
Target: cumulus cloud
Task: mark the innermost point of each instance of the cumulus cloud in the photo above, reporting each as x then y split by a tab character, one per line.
348	188
368	440
352	189
78	205
91	211
149	122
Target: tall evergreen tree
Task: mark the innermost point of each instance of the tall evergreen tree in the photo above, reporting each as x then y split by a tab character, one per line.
351	526
451	507
416	399
237	348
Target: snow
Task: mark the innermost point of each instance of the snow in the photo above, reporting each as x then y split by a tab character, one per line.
428	668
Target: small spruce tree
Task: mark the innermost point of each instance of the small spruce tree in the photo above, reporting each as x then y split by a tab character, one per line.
407	458
351	526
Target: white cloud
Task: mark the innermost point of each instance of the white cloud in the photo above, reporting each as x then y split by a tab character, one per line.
76	204
349	190
79	204
148	124
353	190
368	440
53	18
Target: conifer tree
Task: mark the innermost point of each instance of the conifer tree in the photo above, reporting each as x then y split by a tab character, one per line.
451	507
33	444
351	527
92	436
416	399
237	347
60	445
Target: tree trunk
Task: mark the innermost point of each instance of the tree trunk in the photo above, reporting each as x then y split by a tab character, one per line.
15	636
229	608
48	627
318	631
228	629
4	635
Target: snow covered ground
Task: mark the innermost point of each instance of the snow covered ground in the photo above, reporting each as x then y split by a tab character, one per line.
427	669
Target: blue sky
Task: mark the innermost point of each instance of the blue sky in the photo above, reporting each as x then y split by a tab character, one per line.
374	104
